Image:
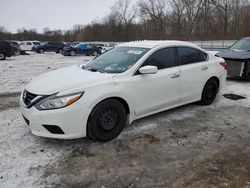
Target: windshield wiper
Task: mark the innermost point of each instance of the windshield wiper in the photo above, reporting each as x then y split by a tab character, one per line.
94	70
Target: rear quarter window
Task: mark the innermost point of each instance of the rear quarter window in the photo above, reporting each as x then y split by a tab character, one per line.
189	55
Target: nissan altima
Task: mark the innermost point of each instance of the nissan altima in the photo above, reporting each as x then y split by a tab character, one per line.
129	82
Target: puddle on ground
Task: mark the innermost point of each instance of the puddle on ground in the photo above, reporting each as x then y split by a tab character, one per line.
233	97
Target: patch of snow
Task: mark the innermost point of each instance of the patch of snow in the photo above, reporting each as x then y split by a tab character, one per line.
17	71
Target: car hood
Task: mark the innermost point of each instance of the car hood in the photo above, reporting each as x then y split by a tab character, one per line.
234	54
65	79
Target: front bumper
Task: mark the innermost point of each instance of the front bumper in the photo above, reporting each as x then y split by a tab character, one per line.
72	120
235	68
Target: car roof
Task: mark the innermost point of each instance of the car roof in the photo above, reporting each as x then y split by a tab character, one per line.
153	44
247	38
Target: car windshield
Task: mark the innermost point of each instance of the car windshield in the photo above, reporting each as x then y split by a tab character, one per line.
78	45
243	44
117	60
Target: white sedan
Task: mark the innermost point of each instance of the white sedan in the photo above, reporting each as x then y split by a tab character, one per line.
131	81
28	45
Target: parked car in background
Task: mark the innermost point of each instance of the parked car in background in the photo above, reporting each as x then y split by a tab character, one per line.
82	48
6	50
49	47
28	45
238	58
15	44
108	47
131	81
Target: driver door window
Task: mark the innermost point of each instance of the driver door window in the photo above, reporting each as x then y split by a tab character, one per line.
163	58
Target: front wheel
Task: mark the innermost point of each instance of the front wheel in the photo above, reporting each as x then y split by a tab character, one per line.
107	120
95	53
2	56
60	51
41	51
209	92
72	53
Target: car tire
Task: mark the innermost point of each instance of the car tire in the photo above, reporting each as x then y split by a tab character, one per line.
2	56
41	51
60	51
95	53
209	92
72	53
106	121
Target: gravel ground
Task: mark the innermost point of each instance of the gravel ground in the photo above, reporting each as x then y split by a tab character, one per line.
190	146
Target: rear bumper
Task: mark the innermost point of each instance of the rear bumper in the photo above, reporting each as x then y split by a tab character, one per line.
71	120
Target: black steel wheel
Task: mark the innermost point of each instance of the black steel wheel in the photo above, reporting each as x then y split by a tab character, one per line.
209	92
107	120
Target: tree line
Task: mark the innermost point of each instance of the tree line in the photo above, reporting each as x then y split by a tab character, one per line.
155	20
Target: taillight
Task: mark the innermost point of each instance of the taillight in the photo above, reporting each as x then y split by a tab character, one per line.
224	64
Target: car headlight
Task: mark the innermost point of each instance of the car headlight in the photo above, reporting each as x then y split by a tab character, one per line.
55	102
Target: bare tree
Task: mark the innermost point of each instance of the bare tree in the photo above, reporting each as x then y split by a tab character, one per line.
155	11
224	8
125	13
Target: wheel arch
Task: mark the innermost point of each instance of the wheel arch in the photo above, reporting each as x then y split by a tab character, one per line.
120	99
124	103
214	78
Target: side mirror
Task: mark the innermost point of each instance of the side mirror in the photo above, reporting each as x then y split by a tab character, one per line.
148	69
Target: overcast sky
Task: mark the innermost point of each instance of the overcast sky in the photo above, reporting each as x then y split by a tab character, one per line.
55	14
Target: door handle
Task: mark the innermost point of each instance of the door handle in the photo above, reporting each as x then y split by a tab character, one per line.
175	75
204	68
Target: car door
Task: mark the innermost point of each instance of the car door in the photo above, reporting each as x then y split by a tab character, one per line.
82	48
28	46
194	67
49	46
89	48
153	92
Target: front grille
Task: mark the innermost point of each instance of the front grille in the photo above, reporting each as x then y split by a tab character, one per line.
235	68
54	129
28	97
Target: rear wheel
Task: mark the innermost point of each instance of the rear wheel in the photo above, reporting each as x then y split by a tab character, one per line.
41	51
60	51
95	53
72	53
107	120
209	92
2	56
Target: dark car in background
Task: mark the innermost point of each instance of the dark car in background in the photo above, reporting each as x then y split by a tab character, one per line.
49	47
6	49
14	44
238	59
82	48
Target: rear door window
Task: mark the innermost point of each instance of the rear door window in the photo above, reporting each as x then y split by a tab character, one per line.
189	55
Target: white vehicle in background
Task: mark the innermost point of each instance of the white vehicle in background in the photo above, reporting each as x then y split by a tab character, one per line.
28	45
108	47
129	82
